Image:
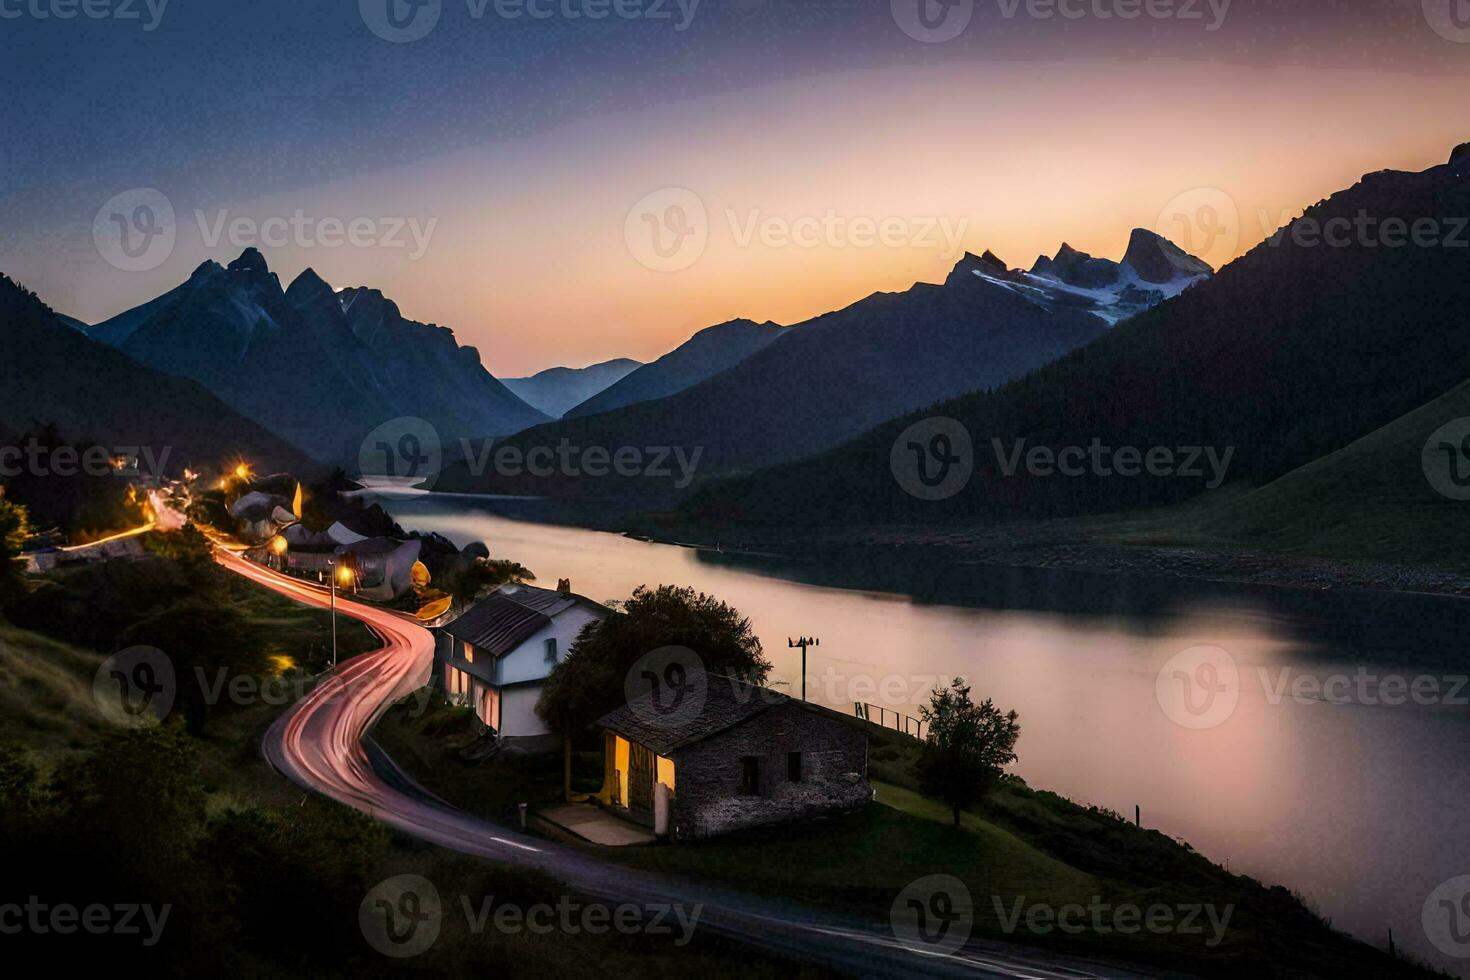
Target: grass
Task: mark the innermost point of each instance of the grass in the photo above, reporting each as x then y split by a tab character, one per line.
1370	500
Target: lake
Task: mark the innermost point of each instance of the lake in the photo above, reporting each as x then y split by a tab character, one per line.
1315	740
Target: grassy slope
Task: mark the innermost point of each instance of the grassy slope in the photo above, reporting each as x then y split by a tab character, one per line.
1368	500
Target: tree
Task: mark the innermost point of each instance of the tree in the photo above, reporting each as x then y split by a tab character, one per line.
486	573
966	746
14	529
209	643
590	681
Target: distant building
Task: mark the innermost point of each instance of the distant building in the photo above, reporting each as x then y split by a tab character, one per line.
749	757
497	655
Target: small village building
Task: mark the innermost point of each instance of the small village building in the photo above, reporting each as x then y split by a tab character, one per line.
749	757
497	655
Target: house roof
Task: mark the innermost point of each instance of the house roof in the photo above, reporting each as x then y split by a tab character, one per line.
728	702
511	615
498	624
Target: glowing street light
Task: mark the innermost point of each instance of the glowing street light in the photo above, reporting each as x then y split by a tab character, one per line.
278	548
341	573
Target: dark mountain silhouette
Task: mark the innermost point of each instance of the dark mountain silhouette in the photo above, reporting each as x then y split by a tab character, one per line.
702	356
54	374
1290	353
831	378
320	368
557	390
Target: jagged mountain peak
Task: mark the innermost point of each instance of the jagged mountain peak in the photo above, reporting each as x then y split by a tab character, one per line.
1158	260
250	261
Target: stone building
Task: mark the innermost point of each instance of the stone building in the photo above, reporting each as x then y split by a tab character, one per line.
747	757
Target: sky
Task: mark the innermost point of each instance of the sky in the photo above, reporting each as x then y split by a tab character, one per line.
566	187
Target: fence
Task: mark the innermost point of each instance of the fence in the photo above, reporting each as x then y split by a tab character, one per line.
901	722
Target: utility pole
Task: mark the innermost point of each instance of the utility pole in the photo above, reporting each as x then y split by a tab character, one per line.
804	642
332	565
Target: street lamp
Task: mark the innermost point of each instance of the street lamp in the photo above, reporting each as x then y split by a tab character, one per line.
278	548
340	573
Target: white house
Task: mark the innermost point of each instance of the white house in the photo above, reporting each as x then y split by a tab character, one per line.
497	655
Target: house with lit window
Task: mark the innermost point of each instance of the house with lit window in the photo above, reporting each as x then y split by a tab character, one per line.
496	656
747	757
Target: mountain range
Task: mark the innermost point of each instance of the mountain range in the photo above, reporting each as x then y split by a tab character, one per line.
318	366
53	374
819	383
1292	352
557	390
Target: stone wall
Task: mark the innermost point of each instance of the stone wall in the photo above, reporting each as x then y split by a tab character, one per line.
834	772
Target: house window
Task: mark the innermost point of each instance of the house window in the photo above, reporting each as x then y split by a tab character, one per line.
469	654
750	775
551	649
793	766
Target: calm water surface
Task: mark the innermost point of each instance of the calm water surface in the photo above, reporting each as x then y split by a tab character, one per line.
1359	807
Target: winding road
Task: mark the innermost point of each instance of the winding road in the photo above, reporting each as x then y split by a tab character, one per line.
321	744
